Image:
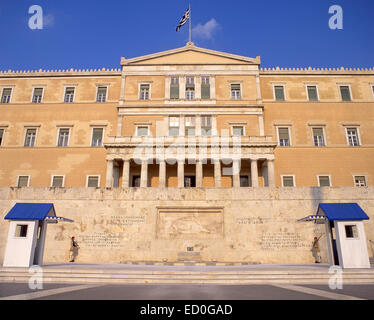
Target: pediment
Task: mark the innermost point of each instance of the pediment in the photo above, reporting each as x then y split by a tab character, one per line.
190	54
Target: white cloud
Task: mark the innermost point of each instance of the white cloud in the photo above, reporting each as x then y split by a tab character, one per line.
206	30
48	20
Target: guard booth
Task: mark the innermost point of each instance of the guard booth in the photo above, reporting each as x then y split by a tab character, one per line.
27	233
346	239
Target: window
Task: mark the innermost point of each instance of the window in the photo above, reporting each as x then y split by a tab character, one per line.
190	94
235	92
360	181
318	137
244	181
284	137
21	231
174	88
30	137
238	131
189	125
69	94
63	137
23	181
279	93
5	97
190	88
288	181
351	231
324	181
1	136
189	181
57	181
205	88
206	125
101	94
144	92
93	181
38	95
173	126
97	137
142	131
352	136
345	93
312	93
135	183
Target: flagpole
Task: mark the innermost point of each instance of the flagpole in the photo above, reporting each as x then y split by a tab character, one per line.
189	8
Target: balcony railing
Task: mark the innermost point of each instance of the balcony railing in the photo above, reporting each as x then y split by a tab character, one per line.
255	141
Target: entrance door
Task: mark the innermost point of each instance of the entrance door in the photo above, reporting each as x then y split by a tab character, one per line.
333	242
38	253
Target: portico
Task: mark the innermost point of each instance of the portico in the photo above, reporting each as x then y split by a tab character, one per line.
174	165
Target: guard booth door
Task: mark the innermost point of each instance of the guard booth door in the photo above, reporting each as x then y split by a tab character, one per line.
333	243
39	246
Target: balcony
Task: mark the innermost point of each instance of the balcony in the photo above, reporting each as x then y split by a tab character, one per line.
211	141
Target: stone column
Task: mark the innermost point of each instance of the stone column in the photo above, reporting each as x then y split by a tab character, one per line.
236	173
126	174
180	173
254	173
162	174
271	179
199	173
109	174
144	174
217	173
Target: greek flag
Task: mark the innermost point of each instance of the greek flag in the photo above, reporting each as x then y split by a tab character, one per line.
184	19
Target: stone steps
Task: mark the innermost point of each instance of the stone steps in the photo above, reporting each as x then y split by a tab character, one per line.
188	277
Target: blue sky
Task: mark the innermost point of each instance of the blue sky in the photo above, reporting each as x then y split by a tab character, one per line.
95	34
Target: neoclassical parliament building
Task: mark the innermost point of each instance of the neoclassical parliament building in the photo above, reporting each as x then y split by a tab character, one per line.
187	155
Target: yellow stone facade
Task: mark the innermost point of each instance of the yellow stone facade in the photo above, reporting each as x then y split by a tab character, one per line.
251	128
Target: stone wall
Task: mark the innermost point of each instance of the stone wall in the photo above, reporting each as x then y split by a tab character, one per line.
252	225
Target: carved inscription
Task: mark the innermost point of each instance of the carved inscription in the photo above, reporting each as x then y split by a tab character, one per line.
281	240
102	240
126	220
250	220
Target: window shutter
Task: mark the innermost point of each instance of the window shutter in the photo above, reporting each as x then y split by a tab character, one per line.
38	91
346	95
283	134
7	92
279	93
205	91
324	181
317	132
312	93
57	181
288	182
93	182
23	181
174	91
